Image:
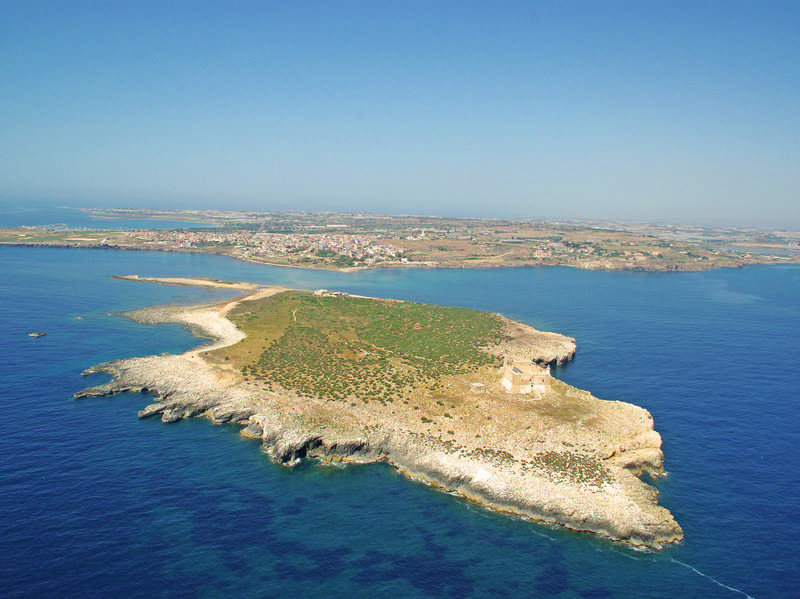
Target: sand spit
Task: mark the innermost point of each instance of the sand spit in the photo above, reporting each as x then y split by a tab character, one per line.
190	282
571	462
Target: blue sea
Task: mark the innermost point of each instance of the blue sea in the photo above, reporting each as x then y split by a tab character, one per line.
61	217
97	503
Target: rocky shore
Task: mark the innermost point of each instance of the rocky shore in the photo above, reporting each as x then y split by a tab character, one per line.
567	458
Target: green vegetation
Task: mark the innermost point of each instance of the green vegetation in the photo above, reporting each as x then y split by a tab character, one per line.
575	467
358	348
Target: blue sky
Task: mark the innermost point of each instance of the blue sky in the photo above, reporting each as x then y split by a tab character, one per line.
645	111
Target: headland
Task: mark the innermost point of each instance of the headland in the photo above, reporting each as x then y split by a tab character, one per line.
456	398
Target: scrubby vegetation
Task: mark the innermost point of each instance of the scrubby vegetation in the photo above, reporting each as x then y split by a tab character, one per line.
360	350
356	348
574	467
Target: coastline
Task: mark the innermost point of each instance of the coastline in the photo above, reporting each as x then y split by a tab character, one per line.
602	265
618	505
189	282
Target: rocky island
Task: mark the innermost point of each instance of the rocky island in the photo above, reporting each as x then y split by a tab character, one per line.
456	398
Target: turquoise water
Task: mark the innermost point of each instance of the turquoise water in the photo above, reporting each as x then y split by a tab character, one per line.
97	503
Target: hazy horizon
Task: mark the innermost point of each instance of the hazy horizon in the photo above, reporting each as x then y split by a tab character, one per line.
37	205
674	113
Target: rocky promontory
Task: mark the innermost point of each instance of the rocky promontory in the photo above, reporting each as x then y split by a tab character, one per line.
557	454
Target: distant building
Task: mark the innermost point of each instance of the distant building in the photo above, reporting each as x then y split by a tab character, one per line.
522	376
326	293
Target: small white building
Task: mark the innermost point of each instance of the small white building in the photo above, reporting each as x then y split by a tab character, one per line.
523	376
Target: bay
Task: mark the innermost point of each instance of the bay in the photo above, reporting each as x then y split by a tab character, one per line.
60	217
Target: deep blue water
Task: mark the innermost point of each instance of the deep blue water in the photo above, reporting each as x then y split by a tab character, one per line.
73	218
96	503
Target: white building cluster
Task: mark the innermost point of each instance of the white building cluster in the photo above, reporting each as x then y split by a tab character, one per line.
358	248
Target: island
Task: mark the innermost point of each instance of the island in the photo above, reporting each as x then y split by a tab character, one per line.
459	399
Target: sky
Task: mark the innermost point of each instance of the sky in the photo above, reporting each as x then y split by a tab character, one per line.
656	111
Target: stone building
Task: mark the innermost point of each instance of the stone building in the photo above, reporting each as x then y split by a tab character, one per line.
523	376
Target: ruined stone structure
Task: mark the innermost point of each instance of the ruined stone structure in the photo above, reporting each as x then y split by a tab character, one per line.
522	376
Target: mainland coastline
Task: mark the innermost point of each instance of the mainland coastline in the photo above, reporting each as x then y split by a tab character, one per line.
564	458
348	242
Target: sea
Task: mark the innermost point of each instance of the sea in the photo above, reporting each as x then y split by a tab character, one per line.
97	503
63	217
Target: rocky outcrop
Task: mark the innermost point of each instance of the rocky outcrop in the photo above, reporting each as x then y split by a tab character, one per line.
527	343
570	459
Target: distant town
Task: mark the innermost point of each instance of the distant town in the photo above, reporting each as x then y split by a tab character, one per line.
358	240
301	248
